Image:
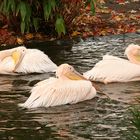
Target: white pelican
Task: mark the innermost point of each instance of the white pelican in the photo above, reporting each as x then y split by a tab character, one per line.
23	60
114	69
68	88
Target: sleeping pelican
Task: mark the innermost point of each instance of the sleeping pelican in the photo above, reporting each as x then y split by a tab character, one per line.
68	88
114	69
23	60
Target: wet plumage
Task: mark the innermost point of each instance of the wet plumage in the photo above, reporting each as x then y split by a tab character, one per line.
114	69
70	87
23	60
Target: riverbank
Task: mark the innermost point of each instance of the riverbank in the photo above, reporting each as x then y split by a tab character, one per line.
111	17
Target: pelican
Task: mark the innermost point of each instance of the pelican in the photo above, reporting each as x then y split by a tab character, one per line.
69	87
114	69
23	60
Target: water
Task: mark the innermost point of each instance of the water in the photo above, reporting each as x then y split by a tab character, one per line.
99	119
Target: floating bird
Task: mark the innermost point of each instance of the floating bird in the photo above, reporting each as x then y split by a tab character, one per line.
114	69
23	60
69	87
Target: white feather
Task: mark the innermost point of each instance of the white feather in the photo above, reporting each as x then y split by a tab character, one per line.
33	61
53	92
114	69
36	61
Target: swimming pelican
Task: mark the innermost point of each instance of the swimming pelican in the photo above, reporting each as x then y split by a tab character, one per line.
69	87
23	60
114	69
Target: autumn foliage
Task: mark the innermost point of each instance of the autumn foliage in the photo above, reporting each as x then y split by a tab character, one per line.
111	17
60	18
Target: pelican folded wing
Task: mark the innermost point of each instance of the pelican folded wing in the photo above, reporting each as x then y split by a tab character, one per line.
36	61
114	69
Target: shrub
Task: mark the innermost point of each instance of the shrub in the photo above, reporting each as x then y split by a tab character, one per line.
29	15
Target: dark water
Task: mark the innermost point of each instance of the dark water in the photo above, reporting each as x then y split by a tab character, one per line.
98	119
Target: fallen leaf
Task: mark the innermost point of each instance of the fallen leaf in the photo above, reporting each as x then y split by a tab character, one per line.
101	1
38	36
29	36
133	11
20	40
135	0
75	33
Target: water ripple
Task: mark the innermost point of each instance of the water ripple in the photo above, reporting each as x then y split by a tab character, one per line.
98	119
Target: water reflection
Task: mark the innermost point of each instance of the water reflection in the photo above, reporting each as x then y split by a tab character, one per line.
123	92
100	118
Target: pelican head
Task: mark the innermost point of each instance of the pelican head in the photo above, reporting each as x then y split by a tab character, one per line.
133	53
132	48
65	71
18	54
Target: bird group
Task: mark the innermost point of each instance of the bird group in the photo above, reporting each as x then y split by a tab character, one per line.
69	86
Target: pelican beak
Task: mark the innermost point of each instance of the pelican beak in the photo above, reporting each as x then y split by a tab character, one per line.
74	75
17	57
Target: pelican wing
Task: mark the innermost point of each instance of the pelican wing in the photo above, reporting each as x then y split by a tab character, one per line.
114	69
110	57
36	61
53	92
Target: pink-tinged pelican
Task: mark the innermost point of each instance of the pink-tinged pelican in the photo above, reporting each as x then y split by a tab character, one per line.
69	87
114	69
23	60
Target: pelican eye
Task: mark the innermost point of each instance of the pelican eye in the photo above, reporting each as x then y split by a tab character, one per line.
70	68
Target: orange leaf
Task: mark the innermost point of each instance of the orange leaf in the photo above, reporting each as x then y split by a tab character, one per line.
20	41
75	33
29	36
